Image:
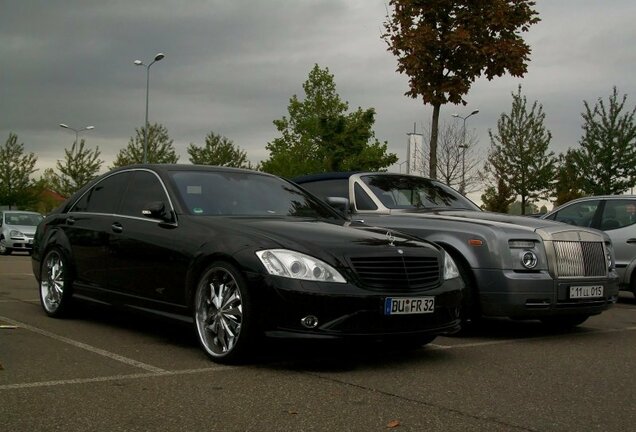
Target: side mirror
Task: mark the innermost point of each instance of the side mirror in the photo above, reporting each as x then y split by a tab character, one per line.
157	210
340	204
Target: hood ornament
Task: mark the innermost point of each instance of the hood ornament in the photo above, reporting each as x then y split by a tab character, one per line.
390	238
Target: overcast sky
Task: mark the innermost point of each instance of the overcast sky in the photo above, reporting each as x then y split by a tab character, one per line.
232	66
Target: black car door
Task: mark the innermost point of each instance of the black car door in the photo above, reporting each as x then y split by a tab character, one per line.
147	262
87	226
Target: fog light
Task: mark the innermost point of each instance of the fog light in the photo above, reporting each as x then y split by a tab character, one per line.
309	321
529	260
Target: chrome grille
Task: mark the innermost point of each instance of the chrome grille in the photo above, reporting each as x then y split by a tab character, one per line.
576	259
397	272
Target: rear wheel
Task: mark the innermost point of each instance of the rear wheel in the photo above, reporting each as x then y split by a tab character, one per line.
564	322
224	314
55	283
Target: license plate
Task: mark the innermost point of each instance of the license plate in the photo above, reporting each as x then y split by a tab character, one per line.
409	305
589	291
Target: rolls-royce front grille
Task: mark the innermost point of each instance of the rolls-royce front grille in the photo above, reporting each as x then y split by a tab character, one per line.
579	259
397	273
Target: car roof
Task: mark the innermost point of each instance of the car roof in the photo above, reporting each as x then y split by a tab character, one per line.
343	175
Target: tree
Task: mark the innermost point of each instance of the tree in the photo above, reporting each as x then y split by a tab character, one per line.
218	150
516	209
568	179
454	159
80	166
160	148
606	159
16	167
444	45
520	150
319	135
497	198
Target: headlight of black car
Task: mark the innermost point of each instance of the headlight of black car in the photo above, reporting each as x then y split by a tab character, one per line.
295	265
450	268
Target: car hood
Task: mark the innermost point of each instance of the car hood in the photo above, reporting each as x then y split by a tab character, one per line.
499	220
317	237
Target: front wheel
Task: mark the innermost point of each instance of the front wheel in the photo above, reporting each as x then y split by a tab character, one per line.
55	284
224	314
564	322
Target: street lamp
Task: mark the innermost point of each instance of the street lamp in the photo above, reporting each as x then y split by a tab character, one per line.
158	57
464	146
77	131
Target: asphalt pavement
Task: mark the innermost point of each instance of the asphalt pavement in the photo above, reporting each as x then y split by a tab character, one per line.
106	370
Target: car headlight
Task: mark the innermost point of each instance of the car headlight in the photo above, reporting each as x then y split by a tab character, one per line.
609	252
450	268
15	233
295	265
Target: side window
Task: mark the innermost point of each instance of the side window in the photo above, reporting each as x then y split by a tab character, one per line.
143	189
329	188
363	200
618	214
104	197
580	214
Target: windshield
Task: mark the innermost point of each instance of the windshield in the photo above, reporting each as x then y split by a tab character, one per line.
22	219
407	192
224	193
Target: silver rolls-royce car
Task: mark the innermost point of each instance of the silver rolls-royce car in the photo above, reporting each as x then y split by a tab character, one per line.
513	266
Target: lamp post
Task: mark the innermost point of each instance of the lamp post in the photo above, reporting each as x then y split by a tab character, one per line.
158	57
77	131
464	146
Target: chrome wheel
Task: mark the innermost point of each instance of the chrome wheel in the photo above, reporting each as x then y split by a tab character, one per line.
53	282
219	311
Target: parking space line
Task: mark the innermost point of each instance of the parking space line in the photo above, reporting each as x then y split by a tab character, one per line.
113	378
86	347
506	341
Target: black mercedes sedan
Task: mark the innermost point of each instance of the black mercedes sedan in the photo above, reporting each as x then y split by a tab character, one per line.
241	254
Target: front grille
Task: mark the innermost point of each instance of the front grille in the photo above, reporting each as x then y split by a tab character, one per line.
579	259
397	272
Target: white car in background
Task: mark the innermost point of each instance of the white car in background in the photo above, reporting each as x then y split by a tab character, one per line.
17	229
616	216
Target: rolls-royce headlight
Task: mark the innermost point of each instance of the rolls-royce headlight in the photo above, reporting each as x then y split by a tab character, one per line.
450	268
295	265
529	259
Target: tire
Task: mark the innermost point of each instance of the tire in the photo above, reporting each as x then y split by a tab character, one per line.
55	283
470	311
564	322
4	250
224	315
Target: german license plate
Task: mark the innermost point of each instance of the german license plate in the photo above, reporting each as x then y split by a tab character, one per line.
586	291
409	305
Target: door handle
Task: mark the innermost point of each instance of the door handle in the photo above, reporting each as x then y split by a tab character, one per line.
70	220
631	241
117	228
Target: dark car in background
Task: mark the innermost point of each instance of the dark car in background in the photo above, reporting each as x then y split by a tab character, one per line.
241	254
616	216
513	266
17	229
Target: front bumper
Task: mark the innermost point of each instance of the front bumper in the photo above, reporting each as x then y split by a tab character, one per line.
538	295
346	311
19	243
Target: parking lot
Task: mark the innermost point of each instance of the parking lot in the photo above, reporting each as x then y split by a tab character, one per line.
105	370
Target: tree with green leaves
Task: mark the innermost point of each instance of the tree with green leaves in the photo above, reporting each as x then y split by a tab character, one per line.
16	168
160	148
606	159
444	45
498	198
218	150
320	135
568	181
520	150
80	166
